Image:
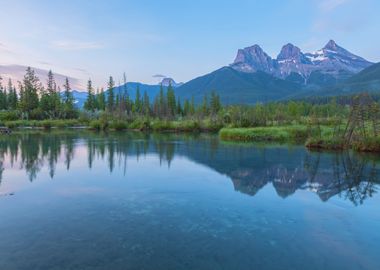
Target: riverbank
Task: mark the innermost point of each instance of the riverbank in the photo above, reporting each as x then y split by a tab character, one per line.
119	125
325	140
300	134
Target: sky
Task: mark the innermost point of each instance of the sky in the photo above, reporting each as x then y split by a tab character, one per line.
179	39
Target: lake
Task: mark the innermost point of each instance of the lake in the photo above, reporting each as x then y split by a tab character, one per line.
85	200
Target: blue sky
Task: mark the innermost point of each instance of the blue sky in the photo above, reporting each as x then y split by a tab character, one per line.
180	39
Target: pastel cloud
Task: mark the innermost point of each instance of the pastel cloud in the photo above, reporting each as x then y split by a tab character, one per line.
72	45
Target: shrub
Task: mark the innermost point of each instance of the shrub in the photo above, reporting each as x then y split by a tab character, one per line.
46	124
118	125
9	115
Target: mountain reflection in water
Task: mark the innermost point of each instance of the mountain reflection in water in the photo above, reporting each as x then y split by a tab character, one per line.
250	167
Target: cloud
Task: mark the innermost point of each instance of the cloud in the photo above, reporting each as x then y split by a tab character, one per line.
159	76
81	70
45	63
330	5
5	49
71	45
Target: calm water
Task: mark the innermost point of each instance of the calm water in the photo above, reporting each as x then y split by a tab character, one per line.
81	200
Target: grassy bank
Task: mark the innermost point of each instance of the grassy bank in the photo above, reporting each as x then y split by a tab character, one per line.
261	134
157	125
119	125
301	134
71	123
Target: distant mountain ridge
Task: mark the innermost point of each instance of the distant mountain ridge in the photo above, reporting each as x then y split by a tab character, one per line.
331	60
130	88
255	77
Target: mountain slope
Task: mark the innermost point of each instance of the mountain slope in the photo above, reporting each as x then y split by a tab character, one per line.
131	88
368	80
236	87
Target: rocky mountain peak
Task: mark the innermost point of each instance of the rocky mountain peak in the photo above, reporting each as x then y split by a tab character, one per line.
169	81
252	59
331	45
331	60
289	51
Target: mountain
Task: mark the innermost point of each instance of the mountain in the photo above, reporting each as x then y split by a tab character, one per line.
331	64
367	80
130	88
169	81
252	59
255	77
235	87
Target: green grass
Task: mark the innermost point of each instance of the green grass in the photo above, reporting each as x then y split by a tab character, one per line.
327	143
260	134
47	124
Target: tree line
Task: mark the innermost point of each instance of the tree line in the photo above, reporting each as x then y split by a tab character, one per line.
164	106
34	101
31	100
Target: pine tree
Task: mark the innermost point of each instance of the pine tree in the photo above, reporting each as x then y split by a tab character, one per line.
12	96
161	102
186	108
29	90
204	107
101	100
68	100
146	104
53	96
89	105
179	107
215	103
192	106
138	104
3	97
111	97
171	101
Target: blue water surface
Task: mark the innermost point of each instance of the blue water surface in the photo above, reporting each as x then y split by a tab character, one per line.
83	200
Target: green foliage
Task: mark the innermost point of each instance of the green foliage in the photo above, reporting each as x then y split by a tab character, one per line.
111	96
90	104
9	115
278	134
118	125
328	143
101	124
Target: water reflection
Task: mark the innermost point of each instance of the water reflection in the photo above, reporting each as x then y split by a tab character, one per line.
348	175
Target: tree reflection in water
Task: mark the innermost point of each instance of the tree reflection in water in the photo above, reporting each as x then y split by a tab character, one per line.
346	174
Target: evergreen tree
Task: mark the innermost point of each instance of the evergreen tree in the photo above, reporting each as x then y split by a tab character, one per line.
29	90
192	106
89	105
171	102
68	100
146	104
186	108
161	102
53	96
101	100
111	97
138	103
204	107
179	107
215	103
3	96
12	96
